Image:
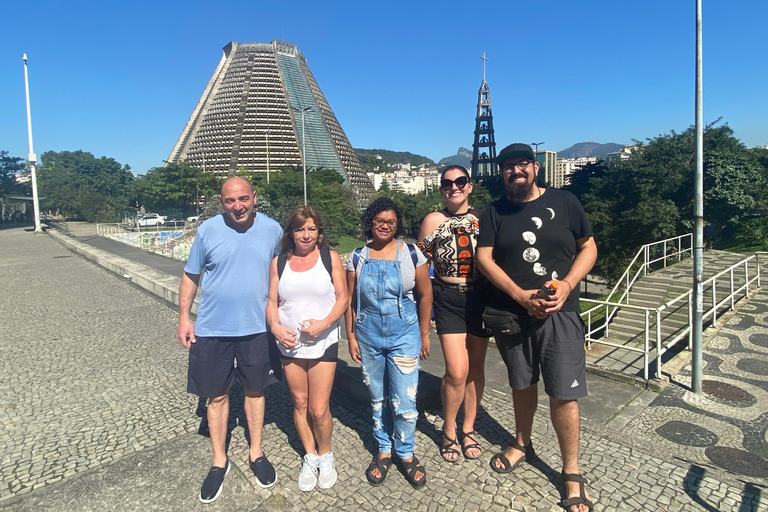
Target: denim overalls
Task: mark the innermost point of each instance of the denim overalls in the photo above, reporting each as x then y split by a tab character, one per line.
387	330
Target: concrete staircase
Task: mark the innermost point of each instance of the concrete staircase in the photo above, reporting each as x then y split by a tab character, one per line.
628	325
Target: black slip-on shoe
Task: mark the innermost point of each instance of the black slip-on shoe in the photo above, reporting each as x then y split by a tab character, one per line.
264	472
213	483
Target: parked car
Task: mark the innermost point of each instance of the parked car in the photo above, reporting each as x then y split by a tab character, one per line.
193	218
151	219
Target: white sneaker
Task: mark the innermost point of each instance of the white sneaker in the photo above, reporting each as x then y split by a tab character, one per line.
328	474
308	474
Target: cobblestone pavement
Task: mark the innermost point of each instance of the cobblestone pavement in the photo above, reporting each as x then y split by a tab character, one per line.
93	388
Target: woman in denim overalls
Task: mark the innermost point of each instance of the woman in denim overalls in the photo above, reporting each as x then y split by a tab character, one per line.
387	335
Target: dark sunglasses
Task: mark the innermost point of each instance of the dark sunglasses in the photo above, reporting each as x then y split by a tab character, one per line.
460	182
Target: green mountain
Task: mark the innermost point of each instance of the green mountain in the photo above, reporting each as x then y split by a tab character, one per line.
587	149
392	157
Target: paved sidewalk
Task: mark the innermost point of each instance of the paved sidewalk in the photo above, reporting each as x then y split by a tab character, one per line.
95	416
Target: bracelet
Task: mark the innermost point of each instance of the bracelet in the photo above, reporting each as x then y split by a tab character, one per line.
570	288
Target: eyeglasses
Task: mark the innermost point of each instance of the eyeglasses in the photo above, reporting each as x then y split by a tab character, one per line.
520	166
392	223
460	183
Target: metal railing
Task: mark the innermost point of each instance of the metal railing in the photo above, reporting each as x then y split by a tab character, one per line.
172	243
661	251
751	275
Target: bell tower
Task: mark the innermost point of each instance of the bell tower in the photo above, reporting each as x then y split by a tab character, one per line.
484	146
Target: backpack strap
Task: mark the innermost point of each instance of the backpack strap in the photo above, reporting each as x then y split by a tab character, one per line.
282	259
325	255
414	256
356	257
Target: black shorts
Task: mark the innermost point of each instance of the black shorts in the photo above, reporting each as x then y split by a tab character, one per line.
556	344
330	355
458	312
212	370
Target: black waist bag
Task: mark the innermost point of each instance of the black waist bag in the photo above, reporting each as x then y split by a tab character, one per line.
499	321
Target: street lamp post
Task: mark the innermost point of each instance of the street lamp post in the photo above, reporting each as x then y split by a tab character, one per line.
267	134
303	111
536	156
197	197
32	157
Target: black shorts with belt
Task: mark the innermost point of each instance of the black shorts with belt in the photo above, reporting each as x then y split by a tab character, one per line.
459	307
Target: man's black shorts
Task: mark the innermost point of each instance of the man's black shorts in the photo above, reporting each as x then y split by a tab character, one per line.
212	370
556	344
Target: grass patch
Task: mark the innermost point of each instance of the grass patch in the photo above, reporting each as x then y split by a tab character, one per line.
348	244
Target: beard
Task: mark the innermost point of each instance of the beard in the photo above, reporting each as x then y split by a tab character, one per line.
518	192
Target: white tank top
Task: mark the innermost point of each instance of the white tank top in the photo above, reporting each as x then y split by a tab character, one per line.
303	296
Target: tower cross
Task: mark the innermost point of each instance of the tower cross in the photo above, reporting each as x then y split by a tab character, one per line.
484	61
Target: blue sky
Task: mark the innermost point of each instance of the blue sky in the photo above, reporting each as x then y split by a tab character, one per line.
120	79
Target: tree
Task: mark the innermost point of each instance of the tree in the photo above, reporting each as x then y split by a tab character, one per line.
82	186
649	196
10	166
175	185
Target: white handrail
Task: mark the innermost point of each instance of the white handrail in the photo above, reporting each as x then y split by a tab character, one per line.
661	348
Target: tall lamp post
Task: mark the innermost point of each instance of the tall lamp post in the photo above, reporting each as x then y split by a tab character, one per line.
266	132
536	154
32	157
303	111
197	196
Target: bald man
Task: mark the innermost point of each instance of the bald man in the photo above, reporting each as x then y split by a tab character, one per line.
234	250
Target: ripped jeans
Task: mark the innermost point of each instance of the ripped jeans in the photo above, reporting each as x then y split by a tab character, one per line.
390	346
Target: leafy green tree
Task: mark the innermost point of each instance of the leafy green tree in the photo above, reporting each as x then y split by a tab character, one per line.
649	196
175	185
80	185
10	166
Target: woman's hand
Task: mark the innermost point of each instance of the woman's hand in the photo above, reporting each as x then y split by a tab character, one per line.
354	349
313	328
424	346
285	336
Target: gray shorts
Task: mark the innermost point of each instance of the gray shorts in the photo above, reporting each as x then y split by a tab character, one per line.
556	345
212	370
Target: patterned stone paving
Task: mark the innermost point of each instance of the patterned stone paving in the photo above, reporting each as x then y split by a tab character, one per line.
727	425
94	381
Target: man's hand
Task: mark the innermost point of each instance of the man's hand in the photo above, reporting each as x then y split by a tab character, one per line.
555	301
532	301
186	332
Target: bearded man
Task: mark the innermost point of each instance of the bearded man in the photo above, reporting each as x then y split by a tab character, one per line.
535	246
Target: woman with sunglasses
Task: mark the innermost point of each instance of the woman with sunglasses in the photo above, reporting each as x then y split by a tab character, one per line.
387	333
449	237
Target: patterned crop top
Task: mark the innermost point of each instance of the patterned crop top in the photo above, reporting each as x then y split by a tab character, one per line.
452	246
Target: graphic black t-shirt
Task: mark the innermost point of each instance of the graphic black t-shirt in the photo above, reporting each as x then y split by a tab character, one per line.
535	242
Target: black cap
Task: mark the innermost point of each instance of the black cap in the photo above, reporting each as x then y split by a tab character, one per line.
516	149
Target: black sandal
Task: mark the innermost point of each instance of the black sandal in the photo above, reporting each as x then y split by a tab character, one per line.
411	468
445	449
528	455
382	464
567	503
474	444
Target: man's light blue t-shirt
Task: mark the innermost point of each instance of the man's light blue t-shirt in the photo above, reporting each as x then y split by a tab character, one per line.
236	279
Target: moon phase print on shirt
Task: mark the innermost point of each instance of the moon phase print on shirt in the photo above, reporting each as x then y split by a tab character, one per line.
531	254
529	237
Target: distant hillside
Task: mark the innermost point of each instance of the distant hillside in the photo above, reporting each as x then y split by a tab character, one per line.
462	157
394	157
587	149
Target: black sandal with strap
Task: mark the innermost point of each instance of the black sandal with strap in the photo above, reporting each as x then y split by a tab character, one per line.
528	455
411	469
473	445
382	464
581	499
446	449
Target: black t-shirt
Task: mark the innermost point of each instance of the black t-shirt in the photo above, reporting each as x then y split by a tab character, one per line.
535	242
